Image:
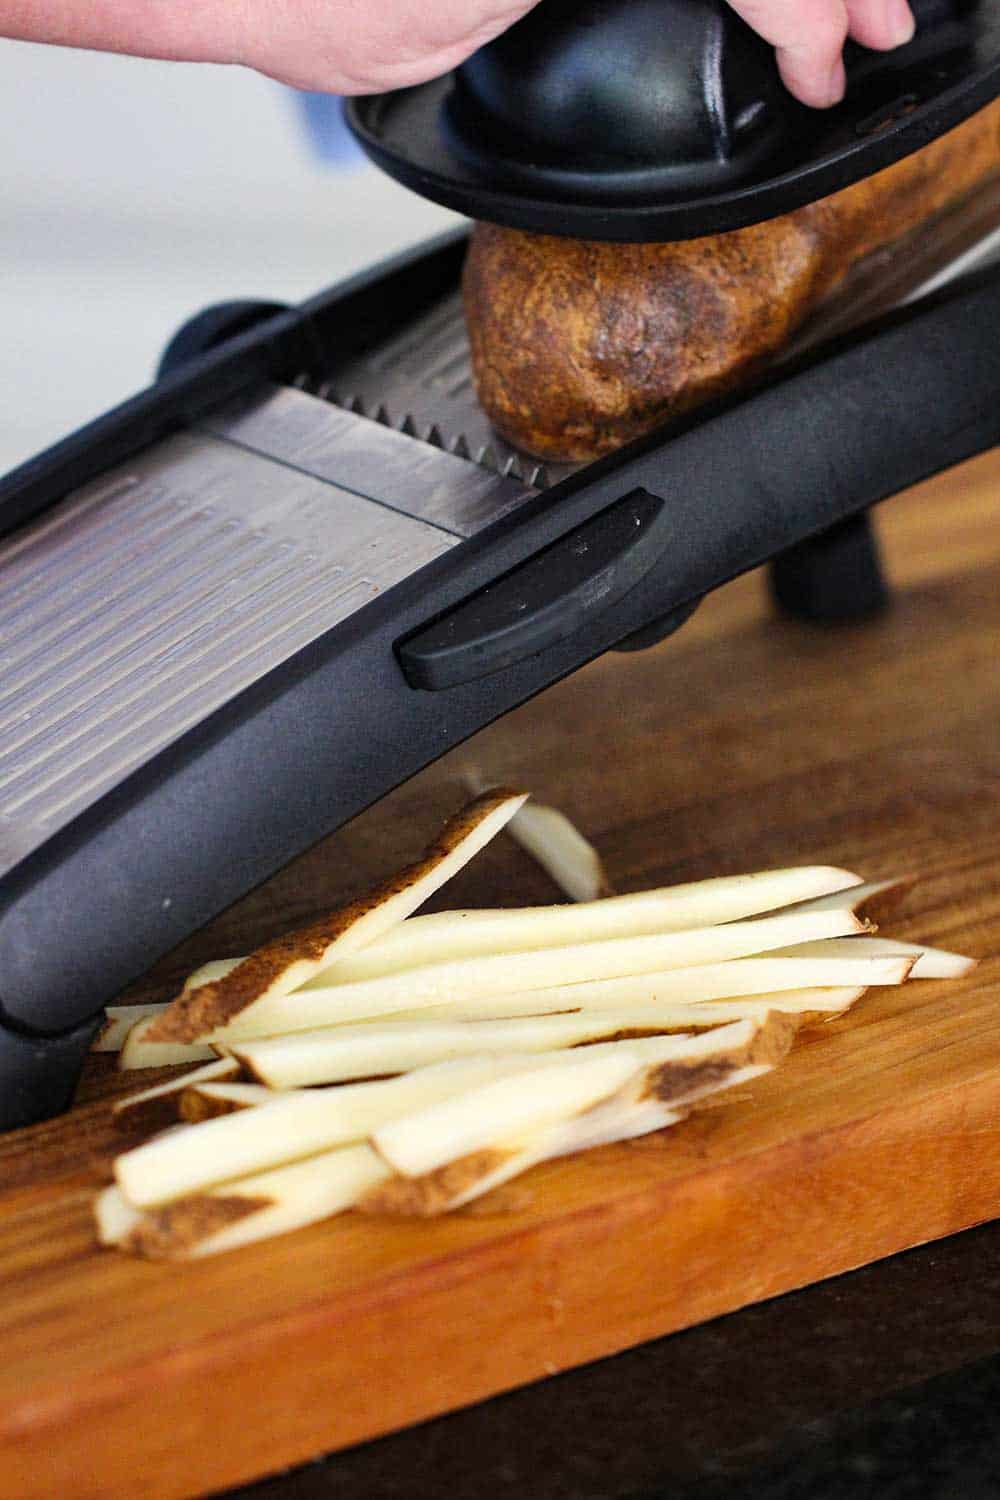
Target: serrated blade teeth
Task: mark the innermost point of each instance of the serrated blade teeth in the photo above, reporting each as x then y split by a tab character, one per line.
516	466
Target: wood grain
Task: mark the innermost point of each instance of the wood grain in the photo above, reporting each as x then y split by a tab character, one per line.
747	741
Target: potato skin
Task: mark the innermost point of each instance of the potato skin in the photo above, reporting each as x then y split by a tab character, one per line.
579	346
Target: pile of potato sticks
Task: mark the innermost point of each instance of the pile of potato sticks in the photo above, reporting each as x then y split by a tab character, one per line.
403	1064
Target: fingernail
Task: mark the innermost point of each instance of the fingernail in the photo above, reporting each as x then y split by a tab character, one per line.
900	21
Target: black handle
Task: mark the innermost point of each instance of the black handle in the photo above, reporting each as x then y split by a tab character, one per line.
640	120
682	90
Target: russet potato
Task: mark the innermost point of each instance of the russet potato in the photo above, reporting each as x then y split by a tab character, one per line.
580	346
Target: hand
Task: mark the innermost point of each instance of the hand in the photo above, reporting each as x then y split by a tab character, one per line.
809	36
365	46
337	45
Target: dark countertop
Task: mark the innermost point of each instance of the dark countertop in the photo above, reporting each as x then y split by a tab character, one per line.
882	1382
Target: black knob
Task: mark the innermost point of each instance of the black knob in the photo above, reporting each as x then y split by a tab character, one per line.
619	90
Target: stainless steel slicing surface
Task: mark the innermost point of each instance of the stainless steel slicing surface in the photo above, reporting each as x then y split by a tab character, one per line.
361	455
147	600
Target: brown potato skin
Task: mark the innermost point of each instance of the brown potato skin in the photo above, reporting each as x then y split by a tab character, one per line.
578	346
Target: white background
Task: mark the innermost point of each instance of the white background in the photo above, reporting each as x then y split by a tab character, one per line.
133	193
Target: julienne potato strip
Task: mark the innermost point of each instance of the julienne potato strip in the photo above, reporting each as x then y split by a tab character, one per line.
656	1096
239	1213
339	1054
556	844
161	1105
874	900
436	984
288	962
296	1124
446	936
140	1050
927	963
118	1022
342	1053
505	1108
464	934
739	979
460	1182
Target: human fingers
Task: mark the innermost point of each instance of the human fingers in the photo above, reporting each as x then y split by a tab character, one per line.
880	24
809	37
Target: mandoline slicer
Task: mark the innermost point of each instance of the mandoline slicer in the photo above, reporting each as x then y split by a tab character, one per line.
245	604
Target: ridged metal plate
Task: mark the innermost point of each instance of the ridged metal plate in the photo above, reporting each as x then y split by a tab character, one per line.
147	600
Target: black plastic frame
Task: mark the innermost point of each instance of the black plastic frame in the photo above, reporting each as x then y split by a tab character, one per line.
338	726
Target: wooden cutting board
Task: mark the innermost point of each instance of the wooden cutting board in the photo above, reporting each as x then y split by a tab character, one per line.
745	742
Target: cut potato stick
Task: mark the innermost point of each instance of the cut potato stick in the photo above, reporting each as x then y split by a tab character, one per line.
339	1054
702	1063
686	1070
289	1127
161	1105
874	900
342	1053
119	1019
208	973
115	1216
927	963
623	1118
287	962
460	1182
118	1022
688	1015
556	844
477	1118
934	963
470	978
445	936
741	978
255	1208
138	1051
